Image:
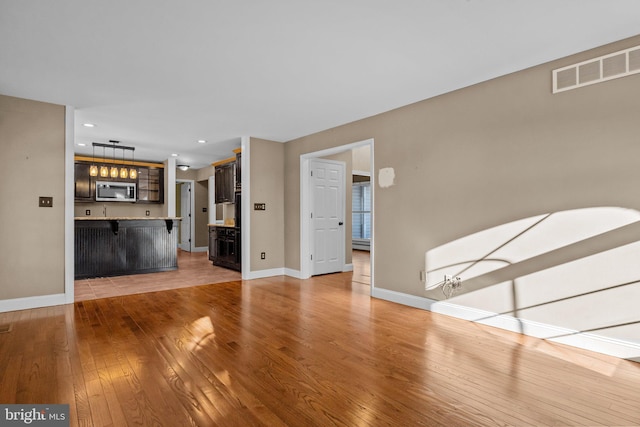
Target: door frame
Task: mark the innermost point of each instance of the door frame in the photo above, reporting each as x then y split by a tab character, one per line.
343	209
192	208
305	209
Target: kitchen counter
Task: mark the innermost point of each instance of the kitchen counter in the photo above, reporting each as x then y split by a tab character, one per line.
221	225
124	218
115	246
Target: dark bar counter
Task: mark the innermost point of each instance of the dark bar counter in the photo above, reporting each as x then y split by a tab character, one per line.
116	246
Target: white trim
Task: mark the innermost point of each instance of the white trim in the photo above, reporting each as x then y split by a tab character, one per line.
305	239
33	302
170	201
404	299
361	173
305	261
584	340
211	203
261	274
245	199
200	249
293	273
69	201
347	267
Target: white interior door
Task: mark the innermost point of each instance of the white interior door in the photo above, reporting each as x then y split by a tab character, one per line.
185	211
327	216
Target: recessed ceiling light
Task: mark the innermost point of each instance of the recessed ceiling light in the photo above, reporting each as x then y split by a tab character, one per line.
82	144
174	155
202	141
88	125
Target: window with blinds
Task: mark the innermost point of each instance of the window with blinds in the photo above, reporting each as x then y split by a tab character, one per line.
361	211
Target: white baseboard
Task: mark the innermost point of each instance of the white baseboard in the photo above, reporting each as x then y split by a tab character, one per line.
33	302
200	249
587	341
347	267
293	273
272	272
404	299
261	274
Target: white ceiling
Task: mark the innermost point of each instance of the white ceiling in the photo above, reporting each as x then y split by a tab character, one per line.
159	75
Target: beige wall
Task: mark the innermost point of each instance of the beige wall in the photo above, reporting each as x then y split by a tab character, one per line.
362	159
267	227
484	156
32	137
97	209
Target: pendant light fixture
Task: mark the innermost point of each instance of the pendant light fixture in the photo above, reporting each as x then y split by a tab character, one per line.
104	170
133	172
113	171
119	167
124	172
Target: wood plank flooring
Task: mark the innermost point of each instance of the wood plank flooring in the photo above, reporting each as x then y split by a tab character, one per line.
288	352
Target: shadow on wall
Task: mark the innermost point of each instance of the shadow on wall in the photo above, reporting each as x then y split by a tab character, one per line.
578	270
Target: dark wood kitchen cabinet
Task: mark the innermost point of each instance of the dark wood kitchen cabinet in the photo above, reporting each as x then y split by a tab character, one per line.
224	247
213	235
225	183
239	171
150	185
84	186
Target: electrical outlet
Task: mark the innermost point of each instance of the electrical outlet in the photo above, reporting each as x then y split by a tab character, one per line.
87	212
263	255
147	213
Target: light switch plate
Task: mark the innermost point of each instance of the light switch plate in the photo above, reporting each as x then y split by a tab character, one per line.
45	202
259	206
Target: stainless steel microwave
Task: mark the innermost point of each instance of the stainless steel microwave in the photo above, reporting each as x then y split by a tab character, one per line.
107	191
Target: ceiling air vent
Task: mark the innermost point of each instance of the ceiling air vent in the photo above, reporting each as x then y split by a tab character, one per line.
615	65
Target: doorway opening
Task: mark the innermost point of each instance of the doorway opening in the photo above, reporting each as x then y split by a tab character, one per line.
185	206
306	207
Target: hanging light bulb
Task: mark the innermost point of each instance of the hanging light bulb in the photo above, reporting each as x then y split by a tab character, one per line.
133	172
93	169
124	172
114	169
104	170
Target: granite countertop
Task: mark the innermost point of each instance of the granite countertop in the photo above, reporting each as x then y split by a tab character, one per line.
123	218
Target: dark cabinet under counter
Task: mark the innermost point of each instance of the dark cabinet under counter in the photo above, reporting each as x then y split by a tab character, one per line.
225	247
120	246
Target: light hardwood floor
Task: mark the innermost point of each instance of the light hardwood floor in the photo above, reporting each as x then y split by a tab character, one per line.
282	351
